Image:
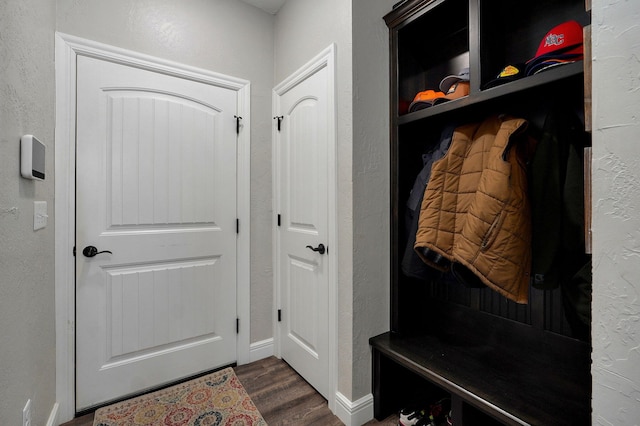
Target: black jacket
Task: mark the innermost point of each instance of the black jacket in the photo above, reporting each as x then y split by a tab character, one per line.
412	265
557	200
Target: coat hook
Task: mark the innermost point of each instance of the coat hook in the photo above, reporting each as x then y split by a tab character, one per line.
279	118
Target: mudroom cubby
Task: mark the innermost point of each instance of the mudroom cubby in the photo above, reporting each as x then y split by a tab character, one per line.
498	361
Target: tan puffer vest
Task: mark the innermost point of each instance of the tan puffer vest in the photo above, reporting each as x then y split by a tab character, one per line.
475	209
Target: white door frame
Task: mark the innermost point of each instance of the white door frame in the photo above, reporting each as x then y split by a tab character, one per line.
326	58
67	49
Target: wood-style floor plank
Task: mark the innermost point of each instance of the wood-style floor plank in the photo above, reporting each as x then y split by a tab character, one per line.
281	395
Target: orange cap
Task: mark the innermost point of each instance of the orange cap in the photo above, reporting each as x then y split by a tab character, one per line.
424	99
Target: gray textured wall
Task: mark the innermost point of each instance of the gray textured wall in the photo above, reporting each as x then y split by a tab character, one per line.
27	322
371	185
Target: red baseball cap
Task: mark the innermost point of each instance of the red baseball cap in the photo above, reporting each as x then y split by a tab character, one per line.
563	43
565	38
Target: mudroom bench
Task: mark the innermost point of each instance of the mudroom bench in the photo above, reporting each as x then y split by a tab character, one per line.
494	375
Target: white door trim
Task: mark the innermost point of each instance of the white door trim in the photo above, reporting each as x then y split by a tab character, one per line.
67	49
326	58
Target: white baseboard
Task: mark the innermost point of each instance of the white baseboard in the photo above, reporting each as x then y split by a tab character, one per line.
354	413
260	350
53	416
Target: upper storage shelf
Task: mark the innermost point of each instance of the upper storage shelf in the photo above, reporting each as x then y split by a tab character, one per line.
437	38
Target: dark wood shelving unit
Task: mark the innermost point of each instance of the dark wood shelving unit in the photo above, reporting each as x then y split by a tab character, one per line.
518	87
499	362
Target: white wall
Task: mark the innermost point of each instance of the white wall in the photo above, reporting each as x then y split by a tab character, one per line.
616	217
27	322
224	36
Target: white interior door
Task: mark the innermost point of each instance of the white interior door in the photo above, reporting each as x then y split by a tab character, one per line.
155	186
302	237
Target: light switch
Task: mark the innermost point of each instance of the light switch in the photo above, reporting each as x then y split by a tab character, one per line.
39	215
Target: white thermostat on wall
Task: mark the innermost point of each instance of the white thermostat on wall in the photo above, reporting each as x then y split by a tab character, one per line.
31	157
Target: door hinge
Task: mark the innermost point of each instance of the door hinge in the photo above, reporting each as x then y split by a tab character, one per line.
237	226
237	325
279	315
74	251
279	118
278	219
238	118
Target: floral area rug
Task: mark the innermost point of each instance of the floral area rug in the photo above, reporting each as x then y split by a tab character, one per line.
218	399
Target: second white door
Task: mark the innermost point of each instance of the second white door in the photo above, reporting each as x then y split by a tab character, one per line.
302	150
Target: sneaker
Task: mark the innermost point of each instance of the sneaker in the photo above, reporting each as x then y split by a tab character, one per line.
439	413
411	416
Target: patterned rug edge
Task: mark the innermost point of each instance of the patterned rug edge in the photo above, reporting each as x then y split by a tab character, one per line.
215	399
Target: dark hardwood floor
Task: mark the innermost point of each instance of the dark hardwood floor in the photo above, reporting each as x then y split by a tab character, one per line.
281	395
